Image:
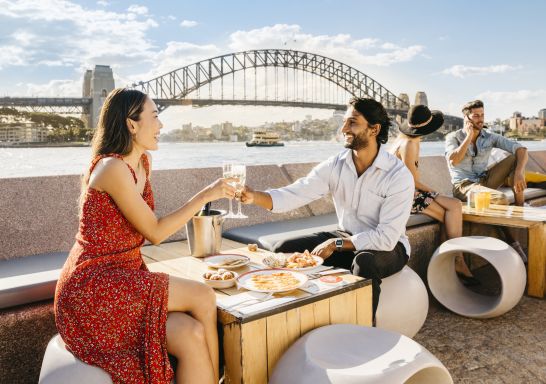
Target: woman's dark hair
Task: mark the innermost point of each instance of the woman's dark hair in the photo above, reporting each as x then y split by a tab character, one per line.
112	134
374	112
468	107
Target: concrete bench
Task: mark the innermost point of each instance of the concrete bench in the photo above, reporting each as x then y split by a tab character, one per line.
29	279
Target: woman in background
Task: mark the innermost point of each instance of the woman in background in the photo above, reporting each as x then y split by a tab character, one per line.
447	210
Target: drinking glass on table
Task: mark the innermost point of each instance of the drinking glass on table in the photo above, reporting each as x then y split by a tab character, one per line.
239	171
227	169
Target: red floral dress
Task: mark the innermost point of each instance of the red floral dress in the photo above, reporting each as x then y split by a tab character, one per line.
109	309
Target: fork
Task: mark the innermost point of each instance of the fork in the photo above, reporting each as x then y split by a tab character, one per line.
250	301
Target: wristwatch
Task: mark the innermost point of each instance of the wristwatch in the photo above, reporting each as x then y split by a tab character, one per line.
339	245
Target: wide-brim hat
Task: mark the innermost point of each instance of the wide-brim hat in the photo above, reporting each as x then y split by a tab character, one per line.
422	121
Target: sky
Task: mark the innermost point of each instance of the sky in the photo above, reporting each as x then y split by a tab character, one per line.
455	51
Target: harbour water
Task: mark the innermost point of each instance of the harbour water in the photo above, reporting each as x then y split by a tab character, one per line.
28	162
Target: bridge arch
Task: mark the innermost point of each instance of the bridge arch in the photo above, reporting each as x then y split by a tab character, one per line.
181	82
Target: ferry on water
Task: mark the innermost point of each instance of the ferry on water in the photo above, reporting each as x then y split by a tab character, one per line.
265	139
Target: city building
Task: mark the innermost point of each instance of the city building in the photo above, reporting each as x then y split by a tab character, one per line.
22	132
227	128
527	126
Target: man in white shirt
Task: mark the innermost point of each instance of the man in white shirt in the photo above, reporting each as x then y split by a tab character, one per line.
372	192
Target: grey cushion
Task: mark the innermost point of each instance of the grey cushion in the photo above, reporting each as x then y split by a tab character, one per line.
270	235
28	279
530	193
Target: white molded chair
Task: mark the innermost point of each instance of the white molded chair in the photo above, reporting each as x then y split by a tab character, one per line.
351	354
403	303
61	367
449	290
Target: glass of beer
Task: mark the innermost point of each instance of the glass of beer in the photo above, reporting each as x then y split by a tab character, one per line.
482	200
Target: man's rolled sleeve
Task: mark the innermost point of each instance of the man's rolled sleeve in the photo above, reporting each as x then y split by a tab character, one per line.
506	144
302	191
393	217
451	144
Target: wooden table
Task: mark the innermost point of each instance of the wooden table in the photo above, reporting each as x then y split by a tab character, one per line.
534	220
254	342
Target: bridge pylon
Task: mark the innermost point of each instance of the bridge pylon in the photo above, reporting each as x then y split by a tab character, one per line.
97	84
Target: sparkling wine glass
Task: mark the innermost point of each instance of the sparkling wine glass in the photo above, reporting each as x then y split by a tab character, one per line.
239	171
227	172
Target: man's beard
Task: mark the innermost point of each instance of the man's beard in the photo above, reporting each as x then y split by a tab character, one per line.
358	143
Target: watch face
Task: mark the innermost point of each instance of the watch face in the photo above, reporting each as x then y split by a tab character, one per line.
339	243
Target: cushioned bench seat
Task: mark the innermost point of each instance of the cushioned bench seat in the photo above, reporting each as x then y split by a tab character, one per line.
269	235
29	279
530	193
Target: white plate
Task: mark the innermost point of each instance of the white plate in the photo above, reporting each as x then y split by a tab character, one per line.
218	261
221	284
319	261
245	280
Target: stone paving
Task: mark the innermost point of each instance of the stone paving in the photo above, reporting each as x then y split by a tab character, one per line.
508	349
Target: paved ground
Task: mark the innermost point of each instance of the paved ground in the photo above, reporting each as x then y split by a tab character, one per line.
508	349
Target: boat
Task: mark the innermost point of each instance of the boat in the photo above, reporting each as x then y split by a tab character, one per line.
265	139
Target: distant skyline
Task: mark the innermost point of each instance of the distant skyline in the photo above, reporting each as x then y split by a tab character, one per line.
455	51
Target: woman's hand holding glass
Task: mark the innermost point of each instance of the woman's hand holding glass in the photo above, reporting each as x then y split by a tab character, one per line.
221	188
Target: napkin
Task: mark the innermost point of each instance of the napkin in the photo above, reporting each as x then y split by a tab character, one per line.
317	286
247	307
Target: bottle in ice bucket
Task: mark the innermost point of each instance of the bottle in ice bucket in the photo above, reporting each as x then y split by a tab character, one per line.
205	211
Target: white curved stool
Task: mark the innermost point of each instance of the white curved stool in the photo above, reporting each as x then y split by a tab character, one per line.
351	354
61	367
448	289
403	303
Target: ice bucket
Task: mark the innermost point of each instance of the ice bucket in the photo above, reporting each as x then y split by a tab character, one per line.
205	233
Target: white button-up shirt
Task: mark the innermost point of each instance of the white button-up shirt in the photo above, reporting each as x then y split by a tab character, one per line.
374	207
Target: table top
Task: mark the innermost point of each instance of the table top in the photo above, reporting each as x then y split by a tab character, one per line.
174	258
507	214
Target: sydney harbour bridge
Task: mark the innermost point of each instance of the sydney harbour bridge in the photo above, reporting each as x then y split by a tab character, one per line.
265	77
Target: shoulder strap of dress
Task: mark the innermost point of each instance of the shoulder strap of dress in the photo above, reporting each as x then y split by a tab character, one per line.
117	156
146	164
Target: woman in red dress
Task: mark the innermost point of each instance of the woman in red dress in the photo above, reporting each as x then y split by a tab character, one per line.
109	309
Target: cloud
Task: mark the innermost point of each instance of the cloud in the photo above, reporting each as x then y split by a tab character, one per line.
13	55
341	46
503	103
176	55
188	23
23	37
462	71
55	88
138	9
54	63
84	36
103	3
523	95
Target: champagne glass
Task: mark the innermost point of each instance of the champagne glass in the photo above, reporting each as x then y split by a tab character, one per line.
239	171
227	169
